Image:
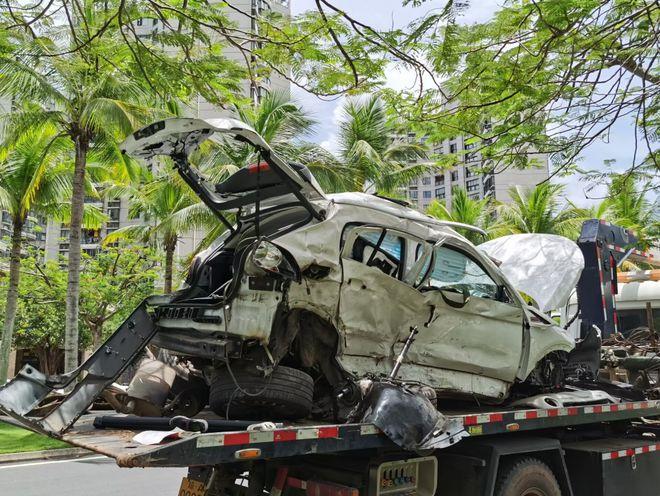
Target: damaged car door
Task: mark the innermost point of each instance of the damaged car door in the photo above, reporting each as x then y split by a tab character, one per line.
378	303
477	333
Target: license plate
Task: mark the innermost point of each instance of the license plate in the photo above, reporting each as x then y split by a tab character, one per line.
190	487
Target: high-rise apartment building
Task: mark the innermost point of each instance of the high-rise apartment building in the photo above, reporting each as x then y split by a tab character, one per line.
471	174
241	13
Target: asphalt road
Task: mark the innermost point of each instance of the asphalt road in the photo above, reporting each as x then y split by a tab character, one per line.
94	476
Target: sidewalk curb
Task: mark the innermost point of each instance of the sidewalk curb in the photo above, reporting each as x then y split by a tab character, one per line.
51	454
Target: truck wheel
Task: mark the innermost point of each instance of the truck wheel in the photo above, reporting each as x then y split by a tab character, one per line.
286	394
528	477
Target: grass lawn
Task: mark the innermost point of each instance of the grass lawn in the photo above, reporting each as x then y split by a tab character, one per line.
16	440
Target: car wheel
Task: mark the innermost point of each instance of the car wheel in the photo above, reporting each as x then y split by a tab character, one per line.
528	477
190	397
286	394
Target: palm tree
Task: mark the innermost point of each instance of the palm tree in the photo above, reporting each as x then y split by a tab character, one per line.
478	213
374	159
169	207
539	210
30	181
90	98
285	126
628	207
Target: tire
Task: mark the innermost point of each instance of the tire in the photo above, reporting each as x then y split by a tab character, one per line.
193	396
286	394
527	477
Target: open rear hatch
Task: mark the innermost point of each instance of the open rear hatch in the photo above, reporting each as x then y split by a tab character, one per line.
271	179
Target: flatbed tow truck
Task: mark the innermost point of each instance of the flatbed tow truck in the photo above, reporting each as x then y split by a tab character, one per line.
568	449
588	450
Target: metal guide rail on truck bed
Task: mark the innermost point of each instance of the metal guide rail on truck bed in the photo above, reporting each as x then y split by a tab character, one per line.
220	448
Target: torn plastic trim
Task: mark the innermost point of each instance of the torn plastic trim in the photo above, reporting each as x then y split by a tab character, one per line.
408	418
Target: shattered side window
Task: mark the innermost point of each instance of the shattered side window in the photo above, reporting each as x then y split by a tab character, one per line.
391	244
453	269
380	249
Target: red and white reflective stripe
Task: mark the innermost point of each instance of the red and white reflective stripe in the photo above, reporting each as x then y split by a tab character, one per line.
489	418
613	455
638	253
275	436
280	481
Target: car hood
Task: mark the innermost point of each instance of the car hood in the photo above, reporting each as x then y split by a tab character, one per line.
544	266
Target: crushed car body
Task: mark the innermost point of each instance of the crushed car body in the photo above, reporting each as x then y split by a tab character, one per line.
307	293
330	284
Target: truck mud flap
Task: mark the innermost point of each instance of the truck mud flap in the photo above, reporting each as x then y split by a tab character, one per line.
25	391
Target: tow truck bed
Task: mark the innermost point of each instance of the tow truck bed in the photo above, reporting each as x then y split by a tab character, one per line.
296	440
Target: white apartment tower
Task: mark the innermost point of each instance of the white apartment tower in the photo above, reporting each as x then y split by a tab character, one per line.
469	174
242	13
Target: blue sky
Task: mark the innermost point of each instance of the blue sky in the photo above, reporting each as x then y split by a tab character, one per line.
618	146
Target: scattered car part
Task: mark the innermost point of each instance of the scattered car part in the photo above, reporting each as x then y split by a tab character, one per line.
407	417
160	423
566	399
30	387
148	390
404	351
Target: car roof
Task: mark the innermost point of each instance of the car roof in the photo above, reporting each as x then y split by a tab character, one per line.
384	205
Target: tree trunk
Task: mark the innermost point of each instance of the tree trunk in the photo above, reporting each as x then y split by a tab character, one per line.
170	246
12	298
75	234
49	359
97	335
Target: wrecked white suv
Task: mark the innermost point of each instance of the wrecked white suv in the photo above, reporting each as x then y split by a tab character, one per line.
306	293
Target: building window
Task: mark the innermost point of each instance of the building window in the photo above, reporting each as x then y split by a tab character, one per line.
452	148
439	179
155	21
489	185
139	22
426	194
454	175
440	193
414	195
472	185
426	180
469	146
471	157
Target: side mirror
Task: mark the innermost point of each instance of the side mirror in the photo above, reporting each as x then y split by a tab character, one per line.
454	297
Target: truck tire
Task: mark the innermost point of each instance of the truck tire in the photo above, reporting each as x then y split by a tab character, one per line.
527	477
286	394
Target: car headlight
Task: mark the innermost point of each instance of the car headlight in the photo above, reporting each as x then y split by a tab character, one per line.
267	256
